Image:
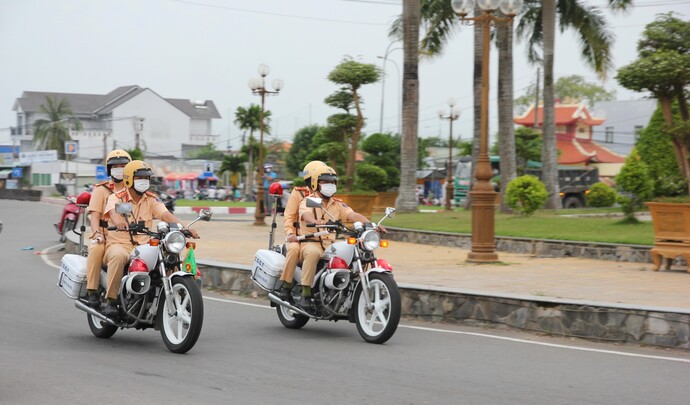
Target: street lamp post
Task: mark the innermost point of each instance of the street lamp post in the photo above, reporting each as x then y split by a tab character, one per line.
383	80
453	115
257	84
483	195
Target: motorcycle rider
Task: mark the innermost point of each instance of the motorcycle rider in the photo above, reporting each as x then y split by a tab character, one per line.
145	207
324	183
291	226
115	163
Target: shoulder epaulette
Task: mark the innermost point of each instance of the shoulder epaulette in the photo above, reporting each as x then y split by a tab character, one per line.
122	194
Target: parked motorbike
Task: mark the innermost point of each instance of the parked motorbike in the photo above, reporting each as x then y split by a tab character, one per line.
71	213
157	290
350	282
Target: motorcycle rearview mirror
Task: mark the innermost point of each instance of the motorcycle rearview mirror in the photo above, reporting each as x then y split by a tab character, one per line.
314	202
390	211
123	208
205	215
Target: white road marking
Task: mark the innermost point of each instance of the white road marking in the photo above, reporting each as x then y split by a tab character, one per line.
45	258
559	346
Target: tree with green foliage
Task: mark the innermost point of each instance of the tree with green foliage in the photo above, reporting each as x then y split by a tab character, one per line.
569	89
656	151
526	194
302	145
636	184
352	75
370	178
601	195
663	69
234	164
383	151
136	154
207	152
249	119
53	132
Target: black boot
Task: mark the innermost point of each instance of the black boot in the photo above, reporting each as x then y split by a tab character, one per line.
307	304
94	300
111	309
284	293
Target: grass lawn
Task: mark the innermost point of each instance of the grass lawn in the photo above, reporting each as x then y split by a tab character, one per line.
542	225
212	203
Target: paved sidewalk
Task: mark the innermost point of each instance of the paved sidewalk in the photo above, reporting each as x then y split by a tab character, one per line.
234	239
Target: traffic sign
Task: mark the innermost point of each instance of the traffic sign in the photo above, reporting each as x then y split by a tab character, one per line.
101	173
71	148
208	167
17	172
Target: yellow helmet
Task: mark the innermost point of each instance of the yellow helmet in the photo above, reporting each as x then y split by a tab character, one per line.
116	157
136	168
309	169
323	173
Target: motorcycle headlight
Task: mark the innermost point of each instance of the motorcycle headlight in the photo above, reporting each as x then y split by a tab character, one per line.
175	242
370	240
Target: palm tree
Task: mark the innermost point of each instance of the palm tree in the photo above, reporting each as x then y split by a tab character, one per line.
249	119
52	133
407	201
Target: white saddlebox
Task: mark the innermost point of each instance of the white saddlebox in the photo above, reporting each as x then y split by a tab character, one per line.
268	265
72	276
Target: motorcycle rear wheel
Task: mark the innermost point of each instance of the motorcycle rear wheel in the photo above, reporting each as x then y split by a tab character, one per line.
378	324
291	319
67	225
181	330
99	328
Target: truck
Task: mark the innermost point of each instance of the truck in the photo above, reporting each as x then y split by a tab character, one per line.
574	182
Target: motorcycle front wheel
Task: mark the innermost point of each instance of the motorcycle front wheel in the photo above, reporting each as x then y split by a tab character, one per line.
67	225
181	330
99	328
377	324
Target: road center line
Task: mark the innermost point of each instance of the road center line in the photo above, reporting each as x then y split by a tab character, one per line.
559	346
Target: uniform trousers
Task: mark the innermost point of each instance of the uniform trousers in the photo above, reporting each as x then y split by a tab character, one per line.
93	265
116	255
311	253
291	260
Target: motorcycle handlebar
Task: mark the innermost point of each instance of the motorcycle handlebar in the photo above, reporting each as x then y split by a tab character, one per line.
312	235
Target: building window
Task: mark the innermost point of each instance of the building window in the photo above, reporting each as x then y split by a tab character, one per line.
40	179
609	135
638	131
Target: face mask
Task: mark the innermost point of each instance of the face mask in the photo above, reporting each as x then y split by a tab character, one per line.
141	185
328	189
117	172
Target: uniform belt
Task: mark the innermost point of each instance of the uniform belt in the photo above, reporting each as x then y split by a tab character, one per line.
103	223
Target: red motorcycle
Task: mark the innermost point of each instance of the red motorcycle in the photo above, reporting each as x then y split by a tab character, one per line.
71	214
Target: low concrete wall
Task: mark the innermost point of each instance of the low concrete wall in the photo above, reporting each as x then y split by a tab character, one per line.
537	247
22	195
665	327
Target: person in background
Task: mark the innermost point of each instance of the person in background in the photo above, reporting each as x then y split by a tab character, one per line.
269	177
115	163
292	229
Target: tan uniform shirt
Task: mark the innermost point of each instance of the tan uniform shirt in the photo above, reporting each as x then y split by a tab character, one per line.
335	206
99	197
148	208
292	210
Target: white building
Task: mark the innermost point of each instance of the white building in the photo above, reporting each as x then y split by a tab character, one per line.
122	119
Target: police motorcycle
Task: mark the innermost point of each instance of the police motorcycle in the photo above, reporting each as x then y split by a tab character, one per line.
350	282
158	290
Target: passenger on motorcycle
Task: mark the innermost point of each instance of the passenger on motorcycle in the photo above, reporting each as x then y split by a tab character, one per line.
291	226
115	163
145	207
324	183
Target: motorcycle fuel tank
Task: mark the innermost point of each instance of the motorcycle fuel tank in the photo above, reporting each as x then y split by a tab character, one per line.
148	253
340	249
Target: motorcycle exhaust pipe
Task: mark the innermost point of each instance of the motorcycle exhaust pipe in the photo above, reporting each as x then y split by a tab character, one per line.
93	312
138	283
280	302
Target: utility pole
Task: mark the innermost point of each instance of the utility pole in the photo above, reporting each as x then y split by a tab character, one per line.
536	105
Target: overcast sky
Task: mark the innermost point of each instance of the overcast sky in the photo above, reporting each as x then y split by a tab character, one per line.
209	49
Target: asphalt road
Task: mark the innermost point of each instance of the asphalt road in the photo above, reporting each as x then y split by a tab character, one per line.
244	355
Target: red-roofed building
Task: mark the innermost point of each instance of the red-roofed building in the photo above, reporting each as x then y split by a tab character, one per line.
574	129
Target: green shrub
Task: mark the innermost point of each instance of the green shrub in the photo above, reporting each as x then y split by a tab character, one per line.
636	185
526	194
370	177
601	195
